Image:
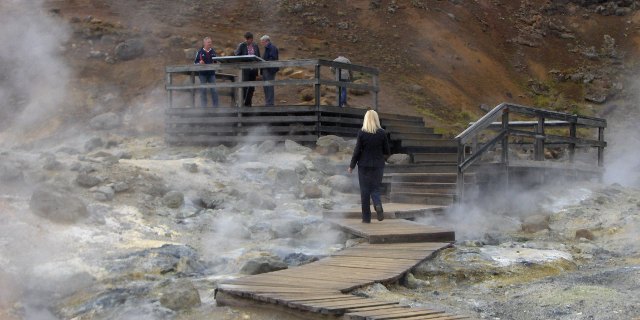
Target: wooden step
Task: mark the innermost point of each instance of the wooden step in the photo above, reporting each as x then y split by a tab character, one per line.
216	140
392	210
417	128
422	177
414	136
418	187
408	123
393	116
446	143
421	168
424	198
435	157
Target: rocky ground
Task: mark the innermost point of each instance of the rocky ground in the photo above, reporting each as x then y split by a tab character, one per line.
113	227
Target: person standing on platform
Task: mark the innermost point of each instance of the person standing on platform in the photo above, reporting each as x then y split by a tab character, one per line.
248	48
269	74
369	154
205	56
345	76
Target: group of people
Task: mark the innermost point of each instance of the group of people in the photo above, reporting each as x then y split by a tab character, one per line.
247	48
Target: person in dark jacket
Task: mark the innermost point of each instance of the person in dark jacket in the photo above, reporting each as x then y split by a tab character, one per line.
205	56
248	48
268	74
369	154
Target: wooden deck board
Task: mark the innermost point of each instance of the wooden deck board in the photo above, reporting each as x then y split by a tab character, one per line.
320	287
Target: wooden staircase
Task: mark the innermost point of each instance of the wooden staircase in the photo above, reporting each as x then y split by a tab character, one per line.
430	178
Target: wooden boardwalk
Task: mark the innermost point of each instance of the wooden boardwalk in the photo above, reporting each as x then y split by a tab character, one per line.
391	211
320	289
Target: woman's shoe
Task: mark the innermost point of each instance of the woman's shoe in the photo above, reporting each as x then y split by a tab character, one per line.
379	212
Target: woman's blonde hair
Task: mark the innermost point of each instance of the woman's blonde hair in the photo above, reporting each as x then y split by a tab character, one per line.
371	122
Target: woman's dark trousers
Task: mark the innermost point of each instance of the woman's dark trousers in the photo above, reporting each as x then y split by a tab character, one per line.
370	179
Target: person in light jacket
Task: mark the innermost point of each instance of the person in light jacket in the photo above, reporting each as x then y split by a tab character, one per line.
269	74
205	56
369	154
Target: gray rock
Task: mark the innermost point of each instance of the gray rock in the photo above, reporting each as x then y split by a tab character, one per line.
288	179
179	295
536	223
411	282
287	228
260	201
209	200
130	49
105	121
124	155
104	193
93	143
301	169
266	146
399	158
10	171
218	154
57	207
312	191
190	166
168	259
121	186
294	147
87	181
173	199
51	163
298	259
330	144
340	183
76	166
263	264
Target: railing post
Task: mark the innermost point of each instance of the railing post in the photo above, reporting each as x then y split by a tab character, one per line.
505	146
376	89
600	148
338	88
539	146
460	176
317	94
169	91
572	146
193	91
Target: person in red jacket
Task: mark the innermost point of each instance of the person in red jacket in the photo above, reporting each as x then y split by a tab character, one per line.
369	154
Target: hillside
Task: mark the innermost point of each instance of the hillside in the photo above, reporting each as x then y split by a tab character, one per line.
445	60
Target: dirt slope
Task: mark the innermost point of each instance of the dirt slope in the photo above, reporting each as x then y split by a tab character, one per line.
441	59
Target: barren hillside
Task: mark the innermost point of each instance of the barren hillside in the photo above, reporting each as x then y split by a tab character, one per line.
445	60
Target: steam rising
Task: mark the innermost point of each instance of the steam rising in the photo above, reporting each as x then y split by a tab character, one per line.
33	76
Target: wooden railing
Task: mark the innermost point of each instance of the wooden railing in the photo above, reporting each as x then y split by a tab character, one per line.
501	131
237	83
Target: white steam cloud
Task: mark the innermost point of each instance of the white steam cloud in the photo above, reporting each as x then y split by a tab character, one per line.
33	76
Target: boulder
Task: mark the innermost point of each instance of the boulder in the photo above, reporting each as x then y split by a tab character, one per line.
294	147
105	193
51	163
340	183
312	191
87	181
56	206
263	264
179	295
190	166
536	223
166	260
329	144
298	259
411	282
584	233
218	154
173	199
399	158
266	146
288	179
10	171
129	49
93	143
121	186
105	121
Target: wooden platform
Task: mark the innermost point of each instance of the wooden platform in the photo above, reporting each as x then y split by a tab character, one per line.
391	211
320	289
393	231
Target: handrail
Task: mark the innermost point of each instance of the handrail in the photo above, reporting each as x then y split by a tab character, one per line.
238	83
507	129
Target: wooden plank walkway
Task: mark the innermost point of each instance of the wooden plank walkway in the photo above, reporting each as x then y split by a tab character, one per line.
393	230
391	211
320	289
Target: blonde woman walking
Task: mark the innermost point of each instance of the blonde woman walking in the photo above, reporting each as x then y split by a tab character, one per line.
371	147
